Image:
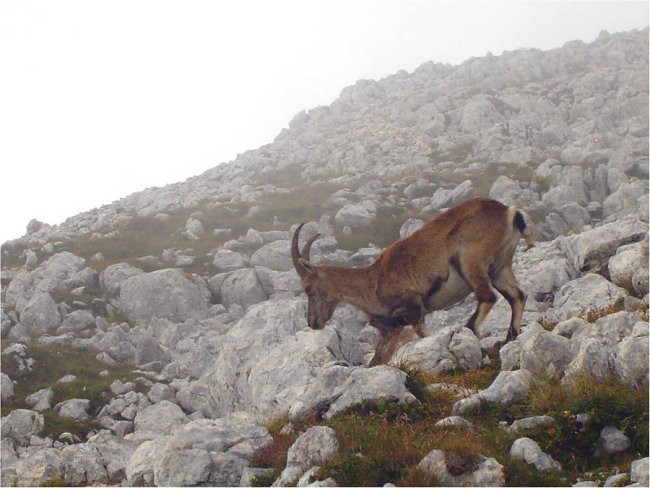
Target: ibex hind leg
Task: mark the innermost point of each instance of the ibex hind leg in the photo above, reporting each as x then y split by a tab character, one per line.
479	281
506	283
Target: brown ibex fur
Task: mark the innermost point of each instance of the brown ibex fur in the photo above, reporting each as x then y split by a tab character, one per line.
468	248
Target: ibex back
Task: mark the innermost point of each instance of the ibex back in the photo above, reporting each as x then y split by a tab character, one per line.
468	248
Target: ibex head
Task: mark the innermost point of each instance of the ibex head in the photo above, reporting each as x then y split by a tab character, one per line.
322	299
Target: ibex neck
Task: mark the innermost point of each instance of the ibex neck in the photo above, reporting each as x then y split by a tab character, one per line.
356	286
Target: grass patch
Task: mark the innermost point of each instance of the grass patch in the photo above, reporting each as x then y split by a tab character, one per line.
382	441
478	379
52	363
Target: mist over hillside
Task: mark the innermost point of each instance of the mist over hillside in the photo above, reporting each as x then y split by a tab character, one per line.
180	315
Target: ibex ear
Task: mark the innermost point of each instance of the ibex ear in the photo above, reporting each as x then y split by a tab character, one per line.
309	267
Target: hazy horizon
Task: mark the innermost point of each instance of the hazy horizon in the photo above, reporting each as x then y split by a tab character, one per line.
103	100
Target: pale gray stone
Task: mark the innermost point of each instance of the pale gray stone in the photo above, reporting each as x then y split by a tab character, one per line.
589	293
449	348
529	451
616	480
7	388
227	260
161	391
40	314
161	294
83	465
226	470
161	418
356	216
39	401
139	468
275	255
182	467
316	446
531	423
455	421
242	287
21	425
409	226
76	408
195	397
591	249
115	453
379	382
508	387
488	471
639	471
545	353
39	467
613	441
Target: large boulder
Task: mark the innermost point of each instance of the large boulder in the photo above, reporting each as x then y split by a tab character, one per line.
590	250
275	255
161	418
52	275
243	288
448	198
7	388
486	471
507	388
264	326
227	260
21	424
529	451
615	344
357	215
380	382
40	314
114	275
450	348
83	465
201	452
625	199
316	446
590	293
76	408
166	293
40	467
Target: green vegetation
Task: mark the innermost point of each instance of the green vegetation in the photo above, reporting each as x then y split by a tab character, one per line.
52	363
383	441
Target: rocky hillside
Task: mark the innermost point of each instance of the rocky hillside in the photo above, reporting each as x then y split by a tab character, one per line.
162	339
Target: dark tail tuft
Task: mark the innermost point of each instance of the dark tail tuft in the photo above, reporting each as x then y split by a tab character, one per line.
519	222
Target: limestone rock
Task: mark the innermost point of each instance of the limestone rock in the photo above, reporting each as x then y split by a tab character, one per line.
21	425
486	472
529	451
114	275
161	294
316	446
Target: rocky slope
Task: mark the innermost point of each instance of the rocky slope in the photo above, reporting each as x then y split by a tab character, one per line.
192	286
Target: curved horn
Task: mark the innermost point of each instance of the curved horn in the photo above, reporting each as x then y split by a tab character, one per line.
295	252
307	249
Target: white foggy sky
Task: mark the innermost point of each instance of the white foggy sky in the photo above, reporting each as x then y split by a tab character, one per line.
99	99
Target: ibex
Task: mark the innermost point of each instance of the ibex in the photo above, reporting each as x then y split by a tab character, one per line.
468	248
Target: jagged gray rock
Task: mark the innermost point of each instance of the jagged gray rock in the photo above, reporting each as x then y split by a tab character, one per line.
316	446
529	451
449	348
161	294
487	472
21	424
